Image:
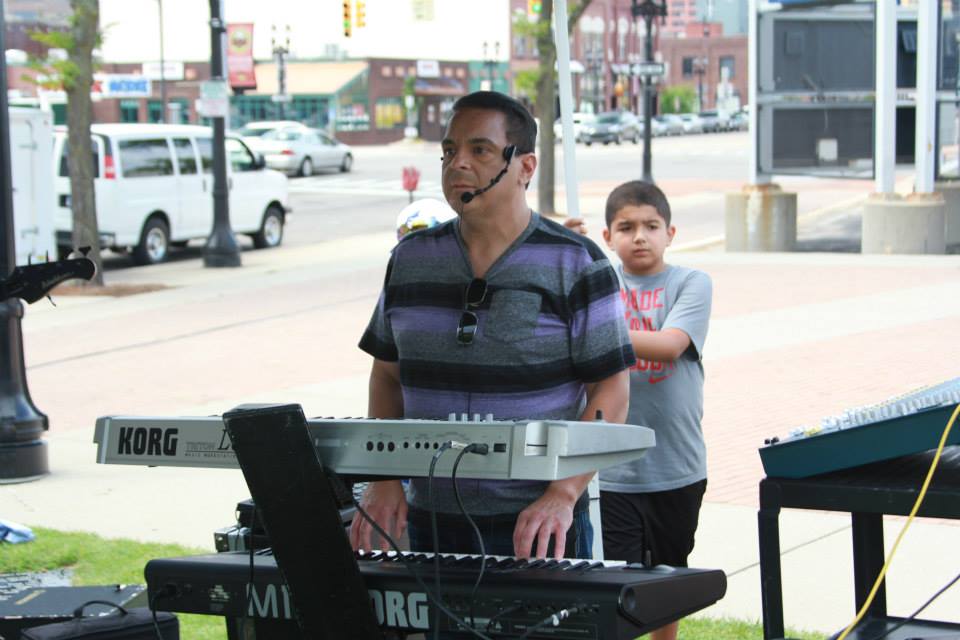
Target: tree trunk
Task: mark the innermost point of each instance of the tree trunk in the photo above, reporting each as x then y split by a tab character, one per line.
546	103
86	18
546	98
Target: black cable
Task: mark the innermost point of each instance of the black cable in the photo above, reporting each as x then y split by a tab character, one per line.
433	532
153	612
430	595
918	611
553	619
500	613
479	450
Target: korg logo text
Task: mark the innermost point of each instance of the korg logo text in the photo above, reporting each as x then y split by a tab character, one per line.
149	441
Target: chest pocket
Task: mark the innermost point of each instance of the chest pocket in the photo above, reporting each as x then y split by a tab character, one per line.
513	315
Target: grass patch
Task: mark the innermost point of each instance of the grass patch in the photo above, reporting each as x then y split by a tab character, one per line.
97	560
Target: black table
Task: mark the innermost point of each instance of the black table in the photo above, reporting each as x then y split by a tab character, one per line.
867	493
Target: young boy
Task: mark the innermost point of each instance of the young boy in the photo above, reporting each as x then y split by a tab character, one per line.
649	508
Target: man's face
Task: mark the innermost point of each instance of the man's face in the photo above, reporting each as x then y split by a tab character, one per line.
639	236
473	156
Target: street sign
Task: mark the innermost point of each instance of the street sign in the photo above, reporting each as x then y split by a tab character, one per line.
653	69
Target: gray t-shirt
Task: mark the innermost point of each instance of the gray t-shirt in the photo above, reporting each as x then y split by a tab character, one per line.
666	396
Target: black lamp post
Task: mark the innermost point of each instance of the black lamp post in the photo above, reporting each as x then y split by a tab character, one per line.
280	52
491	62
700	68
221	249
648	10
23	455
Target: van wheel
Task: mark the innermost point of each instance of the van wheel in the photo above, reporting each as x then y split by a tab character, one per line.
271	231
306	167
347	163
154	242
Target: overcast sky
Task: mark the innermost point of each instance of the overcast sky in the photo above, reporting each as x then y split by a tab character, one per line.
131	31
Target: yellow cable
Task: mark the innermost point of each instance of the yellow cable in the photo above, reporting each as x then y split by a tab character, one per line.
913	512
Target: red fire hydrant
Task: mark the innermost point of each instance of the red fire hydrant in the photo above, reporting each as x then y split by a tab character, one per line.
411	178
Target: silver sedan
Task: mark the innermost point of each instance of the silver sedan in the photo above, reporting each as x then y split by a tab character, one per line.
302	151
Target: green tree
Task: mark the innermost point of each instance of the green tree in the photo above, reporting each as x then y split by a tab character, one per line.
75	76
545	94
679	98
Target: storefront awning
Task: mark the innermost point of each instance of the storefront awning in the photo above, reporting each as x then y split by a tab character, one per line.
318	78
438	87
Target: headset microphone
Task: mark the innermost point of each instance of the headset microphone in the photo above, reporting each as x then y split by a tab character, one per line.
508	153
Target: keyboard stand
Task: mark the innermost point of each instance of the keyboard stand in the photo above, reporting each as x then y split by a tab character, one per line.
867	492
300	513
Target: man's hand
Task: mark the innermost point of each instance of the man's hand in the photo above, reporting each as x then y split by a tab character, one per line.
550	515
576	224
387	505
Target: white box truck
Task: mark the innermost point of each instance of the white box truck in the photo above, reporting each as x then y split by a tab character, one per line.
34	197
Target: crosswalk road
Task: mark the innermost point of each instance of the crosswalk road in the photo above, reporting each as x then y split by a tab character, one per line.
352	185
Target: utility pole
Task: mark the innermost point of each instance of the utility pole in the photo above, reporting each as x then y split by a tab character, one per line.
23	455
221	249
648	10
163	79
280	53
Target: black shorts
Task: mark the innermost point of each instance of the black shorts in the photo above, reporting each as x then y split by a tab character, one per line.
652	528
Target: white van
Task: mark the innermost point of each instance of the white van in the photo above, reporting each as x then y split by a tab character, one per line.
154	185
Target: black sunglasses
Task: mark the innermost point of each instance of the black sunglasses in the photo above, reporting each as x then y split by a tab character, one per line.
473	298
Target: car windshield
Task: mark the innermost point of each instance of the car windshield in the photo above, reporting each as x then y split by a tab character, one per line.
608	118
254	132
281	134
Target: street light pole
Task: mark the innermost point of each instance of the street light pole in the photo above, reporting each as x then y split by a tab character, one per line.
648	10
23	455
221	249
163	79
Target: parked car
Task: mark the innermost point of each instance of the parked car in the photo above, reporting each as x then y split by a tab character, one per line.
260	127
613	126
691	123
739	121
300	151
153	189
668	124
714	121
579	121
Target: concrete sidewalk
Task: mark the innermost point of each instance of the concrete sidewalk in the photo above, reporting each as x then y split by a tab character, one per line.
794	337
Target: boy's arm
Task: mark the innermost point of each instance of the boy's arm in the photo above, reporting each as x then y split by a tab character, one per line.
685	325
552	513
665	346
383	500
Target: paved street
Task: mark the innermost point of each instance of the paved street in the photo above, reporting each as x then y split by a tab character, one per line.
794	337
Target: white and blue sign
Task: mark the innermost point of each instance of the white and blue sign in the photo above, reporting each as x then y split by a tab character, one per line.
124	85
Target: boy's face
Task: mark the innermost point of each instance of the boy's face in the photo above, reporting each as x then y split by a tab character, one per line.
639	236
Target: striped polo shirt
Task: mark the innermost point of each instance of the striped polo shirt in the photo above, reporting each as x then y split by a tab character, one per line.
551	321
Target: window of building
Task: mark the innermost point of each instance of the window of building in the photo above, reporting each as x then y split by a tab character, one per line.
129	111
461	72
386	71
687	67
186	160
388	113
398	71
728	63
519	46
447	72
143	158
353	111
310	110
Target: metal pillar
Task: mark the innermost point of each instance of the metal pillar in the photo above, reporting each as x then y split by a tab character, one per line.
23	455
648	10
221	249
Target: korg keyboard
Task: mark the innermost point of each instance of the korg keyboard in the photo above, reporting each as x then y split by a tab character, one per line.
903	425
614	601
518	450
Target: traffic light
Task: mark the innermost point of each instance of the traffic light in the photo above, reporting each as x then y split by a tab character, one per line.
361	14
347	21
534	8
